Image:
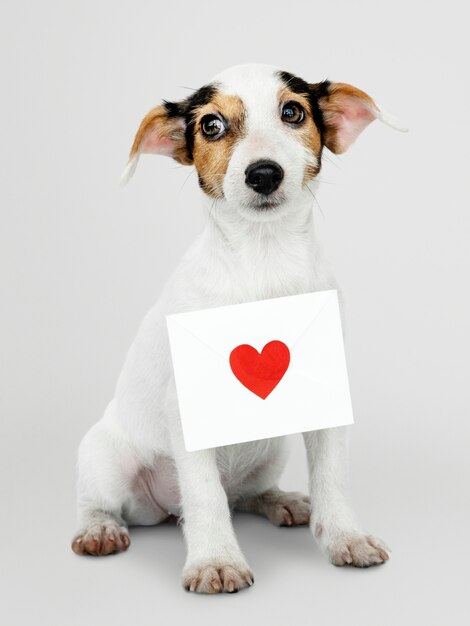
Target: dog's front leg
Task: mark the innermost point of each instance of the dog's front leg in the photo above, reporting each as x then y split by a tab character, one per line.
214	561
332	521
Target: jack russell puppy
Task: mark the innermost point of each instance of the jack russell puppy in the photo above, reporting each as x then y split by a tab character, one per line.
255	135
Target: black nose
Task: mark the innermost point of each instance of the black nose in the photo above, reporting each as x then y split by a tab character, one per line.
264	176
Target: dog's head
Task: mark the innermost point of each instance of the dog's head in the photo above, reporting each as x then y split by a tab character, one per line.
256	134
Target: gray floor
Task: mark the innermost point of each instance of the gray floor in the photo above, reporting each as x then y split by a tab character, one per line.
425	582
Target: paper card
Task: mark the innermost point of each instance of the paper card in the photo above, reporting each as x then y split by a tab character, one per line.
260	370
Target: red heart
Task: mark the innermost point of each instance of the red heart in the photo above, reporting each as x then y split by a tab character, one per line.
260	373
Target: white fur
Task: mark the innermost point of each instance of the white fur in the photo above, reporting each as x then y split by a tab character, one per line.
129	170
239	257
390	120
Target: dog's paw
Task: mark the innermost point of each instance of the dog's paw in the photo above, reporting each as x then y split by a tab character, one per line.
101	539
216	577
357	550
287	508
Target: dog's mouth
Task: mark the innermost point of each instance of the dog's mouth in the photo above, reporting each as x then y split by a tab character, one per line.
265	203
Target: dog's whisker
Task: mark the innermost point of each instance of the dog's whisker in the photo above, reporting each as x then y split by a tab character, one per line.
325	182
336	162
213	205
187	178
315	198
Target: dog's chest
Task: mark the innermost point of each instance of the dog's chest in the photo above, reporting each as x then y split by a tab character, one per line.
255	265
267	269
275	274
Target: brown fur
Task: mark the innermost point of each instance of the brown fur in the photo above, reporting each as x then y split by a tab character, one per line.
307	132
334	103
211	158
158	126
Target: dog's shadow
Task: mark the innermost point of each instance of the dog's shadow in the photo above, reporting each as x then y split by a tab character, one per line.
161	548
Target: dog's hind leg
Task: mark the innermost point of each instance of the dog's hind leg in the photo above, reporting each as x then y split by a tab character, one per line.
107	467
282	508
260	494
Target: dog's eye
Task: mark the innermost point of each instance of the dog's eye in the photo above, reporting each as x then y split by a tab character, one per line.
292	113
212	126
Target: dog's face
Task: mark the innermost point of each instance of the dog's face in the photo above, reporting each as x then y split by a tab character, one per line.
256	134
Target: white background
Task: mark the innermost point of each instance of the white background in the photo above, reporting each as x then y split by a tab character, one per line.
82	261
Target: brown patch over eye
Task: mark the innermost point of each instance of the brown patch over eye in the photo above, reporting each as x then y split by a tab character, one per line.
305	128
219	125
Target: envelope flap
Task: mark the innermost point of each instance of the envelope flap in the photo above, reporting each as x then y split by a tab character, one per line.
255	323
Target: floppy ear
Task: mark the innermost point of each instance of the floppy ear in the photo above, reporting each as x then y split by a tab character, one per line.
162	131
346	112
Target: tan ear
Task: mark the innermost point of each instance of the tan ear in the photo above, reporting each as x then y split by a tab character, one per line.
162	131
346	112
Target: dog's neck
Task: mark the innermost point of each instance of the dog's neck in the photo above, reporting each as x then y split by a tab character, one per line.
272	257
288	228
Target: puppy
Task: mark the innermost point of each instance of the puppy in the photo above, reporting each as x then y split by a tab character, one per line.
255	135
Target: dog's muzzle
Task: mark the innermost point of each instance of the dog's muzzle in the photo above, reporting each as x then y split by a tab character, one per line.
264	176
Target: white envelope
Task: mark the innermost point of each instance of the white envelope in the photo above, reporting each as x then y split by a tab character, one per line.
217	409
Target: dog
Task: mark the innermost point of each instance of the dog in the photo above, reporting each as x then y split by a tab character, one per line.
255	135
